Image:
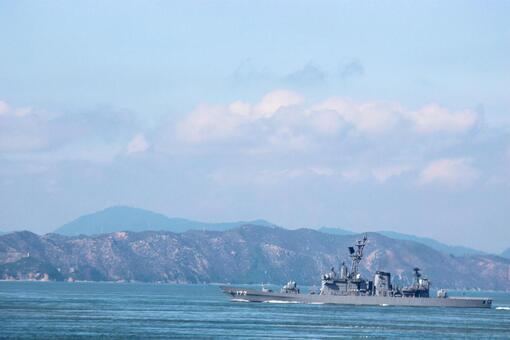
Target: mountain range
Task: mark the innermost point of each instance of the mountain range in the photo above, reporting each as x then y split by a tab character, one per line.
445	248
506	253
123	218
246	254
124	243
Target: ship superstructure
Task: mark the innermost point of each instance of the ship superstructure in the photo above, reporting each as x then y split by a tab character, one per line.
350	282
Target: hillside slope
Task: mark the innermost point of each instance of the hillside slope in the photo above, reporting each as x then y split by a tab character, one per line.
248	254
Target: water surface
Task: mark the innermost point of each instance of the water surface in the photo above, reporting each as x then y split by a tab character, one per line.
120	310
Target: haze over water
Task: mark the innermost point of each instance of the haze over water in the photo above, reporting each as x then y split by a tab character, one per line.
76	310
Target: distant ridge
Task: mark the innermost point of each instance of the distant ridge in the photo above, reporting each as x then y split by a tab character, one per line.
335	231
506	253
123	218
445	248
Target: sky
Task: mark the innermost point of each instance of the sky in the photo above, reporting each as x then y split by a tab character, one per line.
387	115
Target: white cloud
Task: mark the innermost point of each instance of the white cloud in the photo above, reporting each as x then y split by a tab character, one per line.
23	111
434	118
208	122
4	107
345	174
7	110
326	122
274	175
322	171
37	134
348	136
385	173
286	138
22	129
283	110
368	117
351	175
240	108
274	101
449	171
137	144
376	117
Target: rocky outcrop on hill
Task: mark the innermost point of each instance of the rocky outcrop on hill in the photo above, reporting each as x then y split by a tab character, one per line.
248	254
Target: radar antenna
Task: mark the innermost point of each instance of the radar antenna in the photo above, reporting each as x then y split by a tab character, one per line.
417	274
357	254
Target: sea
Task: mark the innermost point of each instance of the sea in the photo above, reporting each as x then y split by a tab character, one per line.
54	310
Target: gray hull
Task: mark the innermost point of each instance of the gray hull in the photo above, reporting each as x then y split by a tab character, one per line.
243	294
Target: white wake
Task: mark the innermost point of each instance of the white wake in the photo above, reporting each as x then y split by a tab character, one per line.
280	301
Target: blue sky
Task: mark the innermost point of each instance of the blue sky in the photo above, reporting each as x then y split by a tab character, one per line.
361	115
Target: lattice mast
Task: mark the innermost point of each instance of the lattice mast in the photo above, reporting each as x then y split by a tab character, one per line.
357	254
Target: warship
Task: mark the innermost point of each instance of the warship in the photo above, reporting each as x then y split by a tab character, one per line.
348	287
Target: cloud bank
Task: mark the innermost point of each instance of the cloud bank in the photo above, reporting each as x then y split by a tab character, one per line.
451	172
36	133
282	136
285	111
